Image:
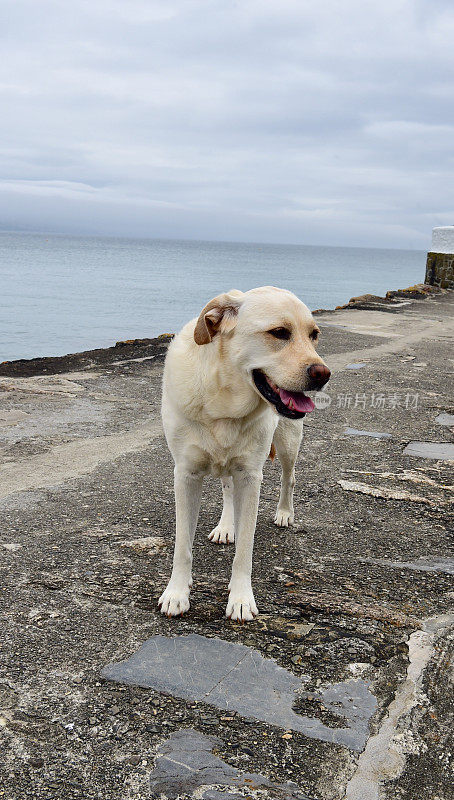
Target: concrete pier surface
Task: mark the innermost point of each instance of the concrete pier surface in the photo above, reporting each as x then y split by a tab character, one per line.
341	688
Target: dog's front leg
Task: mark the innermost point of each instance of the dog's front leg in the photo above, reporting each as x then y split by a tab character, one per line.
188	491
246	491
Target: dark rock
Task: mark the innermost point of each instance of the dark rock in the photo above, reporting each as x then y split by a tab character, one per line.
36	762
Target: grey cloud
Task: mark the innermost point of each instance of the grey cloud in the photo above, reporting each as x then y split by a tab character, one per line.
259	120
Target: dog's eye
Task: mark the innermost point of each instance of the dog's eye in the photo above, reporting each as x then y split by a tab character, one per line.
280	333
314	335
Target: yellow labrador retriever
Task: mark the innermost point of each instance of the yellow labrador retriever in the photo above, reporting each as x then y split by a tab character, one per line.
233	388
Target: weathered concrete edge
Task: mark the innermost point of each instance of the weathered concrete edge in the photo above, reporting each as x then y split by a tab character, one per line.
382	760
146	349
392	302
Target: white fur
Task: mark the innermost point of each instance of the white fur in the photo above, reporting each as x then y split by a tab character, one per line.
216	421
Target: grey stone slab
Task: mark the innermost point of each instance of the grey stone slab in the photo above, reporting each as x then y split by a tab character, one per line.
353	701
185	763
234	677
445	419
373	434
444	451
360	365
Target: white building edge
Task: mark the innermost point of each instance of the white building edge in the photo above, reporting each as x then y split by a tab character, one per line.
443	239
440	259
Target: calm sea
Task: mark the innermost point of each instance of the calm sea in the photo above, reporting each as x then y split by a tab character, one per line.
62	294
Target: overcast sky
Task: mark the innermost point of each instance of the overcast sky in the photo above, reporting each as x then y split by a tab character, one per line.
327	122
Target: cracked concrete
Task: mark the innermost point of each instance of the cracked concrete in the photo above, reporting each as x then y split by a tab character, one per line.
356	593
384	756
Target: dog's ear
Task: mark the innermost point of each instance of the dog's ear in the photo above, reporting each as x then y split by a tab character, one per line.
218	316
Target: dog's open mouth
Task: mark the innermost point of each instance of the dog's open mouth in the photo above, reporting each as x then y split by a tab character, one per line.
290	404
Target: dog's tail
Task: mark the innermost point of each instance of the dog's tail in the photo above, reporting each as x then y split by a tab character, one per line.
272	454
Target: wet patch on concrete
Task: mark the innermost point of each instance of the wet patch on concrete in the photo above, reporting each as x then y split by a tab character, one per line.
238	678
185	763
423	564
373	434
445	419
443	451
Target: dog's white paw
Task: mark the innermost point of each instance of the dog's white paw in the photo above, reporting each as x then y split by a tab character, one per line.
174	601
283	518
241	605
222	535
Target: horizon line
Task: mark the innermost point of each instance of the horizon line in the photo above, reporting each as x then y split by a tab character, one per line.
27	232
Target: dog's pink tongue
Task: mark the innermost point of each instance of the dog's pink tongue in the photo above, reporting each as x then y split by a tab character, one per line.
300	401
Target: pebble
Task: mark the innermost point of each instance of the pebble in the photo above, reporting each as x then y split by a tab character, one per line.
114	710
134	760
36	762
152	728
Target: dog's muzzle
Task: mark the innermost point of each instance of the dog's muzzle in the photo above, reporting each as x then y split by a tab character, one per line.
294	405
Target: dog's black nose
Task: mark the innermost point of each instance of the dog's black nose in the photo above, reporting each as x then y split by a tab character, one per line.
319	375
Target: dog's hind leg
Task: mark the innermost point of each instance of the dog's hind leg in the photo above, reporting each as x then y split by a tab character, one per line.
287	440
224	532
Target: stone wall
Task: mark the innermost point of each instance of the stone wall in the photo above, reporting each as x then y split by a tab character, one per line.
440	270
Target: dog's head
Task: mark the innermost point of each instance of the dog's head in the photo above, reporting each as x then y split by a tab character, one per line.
271	336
